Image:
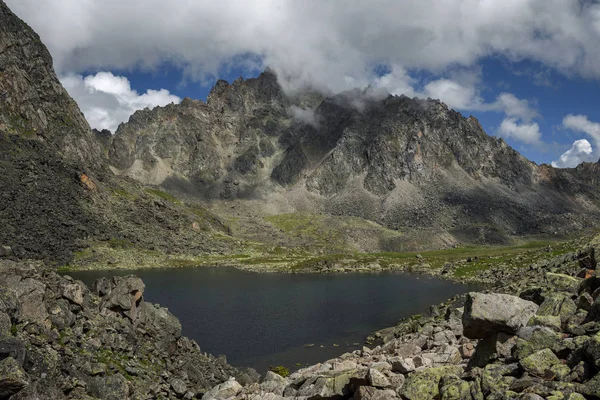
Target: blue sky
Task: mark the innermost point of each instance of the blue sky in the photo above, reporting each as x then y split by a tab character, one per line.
529	70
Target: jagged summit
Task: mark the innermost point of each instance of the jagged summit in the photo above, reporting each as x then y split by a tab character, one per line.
400	161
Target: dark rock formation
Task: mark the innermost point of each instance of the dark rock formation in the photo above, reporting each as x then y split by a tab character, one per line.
33	103
65	341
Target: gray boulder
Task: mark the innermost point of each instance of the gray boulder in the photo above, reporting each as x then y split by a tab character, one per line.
12	378
161	324
126	296
225	390
113	387
486	314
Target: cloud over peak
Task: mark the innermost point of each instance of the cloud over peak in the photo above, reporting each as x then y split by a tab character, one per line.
582	150
107	100
331	44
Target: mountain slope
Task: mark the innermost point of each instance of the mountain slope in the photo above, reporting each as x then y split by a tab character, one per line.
406	163
58	197
33	103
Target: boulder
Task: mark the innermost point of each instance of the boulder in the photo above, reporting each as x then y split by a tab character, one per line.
496	379
499	345
14	348
535	338
424	384
586	257
126	296
549	321
537	364
402	365
31	298
558	305
5	325
5	251
453	388
223	391
274	383
73	291
161	324
12	378
333	384
377	379
178	386
486	314
113	387
594	313
591	349
562	282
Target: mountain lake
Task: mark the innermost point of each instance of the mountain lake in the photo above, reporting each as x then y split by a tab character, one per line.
271	319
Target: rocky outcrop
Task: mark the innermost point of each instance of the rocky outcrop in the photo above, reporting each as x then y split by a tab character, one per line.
62	340
33	103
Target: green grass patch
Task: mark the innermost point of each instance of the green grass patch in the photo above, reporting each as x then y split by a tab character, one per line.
119	244
163	195
280	370
182	262
124	194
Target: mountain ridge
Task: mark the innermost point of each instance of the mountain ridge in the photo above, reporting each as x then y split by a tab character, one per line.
356	153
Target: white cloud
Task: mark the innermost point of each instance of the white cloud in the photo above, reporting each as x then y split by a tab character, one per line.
307	116
455	95
107	100
581	123
330	44
581	151
525	132
514	107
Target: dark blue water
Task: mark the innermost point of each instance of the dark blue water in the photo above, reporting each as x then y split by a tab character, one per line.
258	320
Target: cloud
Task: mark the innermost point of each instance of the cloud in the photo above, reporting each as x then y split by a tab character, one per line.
328	44
455	95
307	116
107	100
581	123
581	151
514	107
525	132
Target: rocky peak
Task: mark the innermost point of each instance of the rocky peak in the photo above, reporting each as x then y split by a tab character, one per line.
246	94
33	103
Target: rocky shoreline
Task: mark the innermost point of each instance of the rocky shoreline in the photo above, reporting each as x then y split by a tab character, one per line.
538	339
60	339
533	334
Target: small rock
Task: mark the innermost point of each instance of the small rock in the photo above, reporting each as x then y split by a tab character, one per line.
178	386
466	350
377	379
402	365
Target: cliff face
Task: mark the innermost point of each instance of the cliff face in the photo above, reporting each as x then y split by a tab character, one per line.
33	103
405	163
